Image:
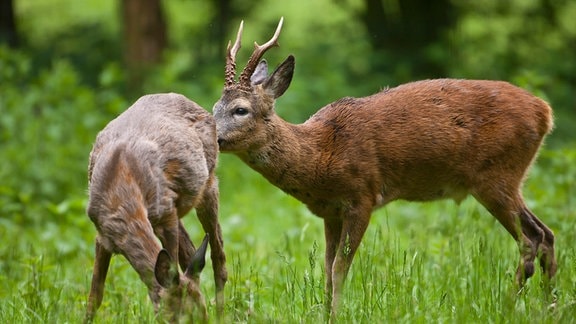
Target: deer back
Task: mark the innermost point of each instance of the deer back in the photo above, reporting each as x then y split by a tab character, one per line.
171	142
430	139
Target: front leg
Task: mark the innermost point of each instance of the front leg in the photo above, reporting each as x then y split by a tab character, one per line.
354	224
168	234
186	248
332	233
207	212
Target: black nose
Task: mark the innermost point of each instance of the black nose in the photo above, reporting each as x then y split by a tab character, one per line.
220	141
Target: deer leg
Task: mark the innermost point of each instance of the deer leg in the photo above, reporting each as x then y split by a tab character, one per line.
547	258
169	234
207	212
139	246
529	248
332	233
510	212
101	264
186	251
354	226
186	248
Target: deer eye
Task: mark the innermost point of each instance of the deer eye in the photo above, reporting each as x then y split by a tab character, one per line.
240	111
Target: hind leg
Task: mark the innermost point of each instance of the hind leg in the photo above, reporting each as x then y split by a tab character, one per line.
509	208
546	257
101	264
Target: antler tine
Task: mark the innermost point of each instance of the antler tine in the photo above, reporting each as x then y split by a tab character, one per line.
231	56
259	51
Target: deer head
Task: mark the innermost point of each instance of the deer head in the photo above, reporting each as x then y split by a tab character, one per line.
181	292
246	105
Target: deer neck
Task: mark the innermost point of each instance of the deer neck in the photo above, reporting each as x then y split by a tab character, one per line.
285	157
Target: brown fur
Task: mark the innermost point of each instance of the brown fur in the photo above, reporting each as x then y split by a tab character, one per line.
148	168
420	141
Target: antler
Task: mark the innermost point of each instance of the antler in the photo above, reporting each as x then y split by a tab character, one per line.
257	55
231	57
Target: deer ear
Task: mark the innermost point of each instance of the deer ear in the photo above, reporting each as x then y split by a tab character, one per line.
198	259
260	74
277	83
166	271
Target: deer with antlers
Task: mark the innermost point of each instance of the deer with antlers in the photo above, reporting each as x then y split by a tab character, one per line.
421	141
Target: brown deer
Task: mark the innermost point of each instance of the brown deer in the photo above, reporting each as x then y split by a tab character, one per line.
148	168
420	141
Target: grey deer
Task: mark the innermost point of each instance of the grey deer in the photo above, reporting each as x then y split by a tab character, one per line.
148	168
420	141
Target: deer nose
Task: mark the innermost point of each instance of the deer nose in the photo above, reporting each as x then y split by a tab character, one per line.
220	141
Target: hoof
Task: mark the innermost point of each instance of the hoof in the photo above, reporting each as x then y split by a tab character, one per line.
528	270
524	272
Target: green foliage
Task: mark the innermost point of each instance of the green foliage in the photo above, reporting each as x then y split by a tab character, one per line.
524	42
48	121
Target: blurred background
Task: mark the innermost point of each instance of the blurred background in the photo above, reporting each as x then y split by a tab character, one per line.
68	67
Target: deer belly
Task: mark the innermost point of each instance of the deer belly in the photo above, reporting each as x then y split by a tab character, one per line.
423	194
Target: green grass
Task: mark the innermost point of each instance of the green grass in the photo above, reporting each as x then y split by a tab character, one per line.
418	262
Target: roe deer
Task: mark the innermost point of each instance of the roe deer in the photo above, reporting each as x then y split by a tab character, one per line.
148	168
420	141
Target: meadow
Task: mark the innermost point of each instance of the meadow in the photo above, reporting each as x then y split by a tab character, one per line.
418	263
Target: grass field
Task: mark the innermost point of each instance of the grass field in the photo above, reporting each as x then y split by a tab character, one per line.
434	262
418	263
